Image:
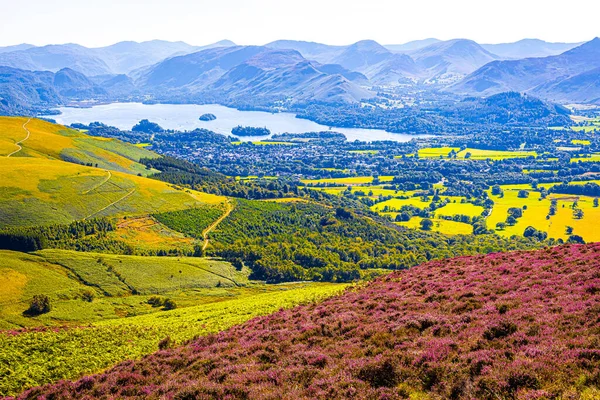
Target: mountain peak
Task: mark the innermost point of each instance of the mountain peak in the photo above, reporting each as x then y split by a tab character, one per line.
368	45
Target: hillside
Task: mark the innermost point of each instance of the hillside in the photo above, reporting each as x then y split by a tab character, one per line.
44	181
41	139
535	75
375	61
451	59
502	326
247	74
109	303
64	275
34	92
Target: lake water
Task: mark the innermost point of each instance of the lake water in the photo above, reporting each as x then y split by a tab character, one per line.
185	117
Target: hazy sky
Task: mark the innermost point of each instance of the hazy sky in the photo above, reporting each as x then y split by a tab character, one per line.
98	23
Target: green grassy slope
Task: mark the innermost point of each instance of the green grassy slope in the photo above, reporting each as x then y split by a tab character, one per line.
121	284
42	139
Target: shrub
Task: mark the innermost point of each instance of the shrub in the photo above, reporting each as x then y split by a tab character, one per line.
156	301
40	304
170	304
499	331
166	343
88	295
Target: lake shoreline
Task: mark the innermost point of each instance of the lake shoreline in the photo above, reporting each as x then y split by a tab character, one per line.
185	117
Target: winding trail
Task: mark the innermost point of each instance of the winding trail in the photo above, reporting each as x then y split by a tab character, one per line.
111	204
18	144
215	224
100	184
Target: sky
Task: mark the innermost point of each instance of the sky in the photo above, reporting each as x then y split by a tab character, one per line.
96	23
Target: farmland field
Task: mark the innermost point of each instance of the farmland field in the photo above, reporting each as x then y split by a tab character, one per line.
265	143
537	209
475	154
355	180
441	226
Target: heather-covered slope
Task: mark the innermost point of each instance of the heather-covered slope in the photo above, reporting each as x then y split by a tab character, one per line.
503	326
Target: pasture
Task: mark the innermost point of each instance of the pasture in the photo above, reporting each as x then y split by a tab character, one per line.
38	191
52	141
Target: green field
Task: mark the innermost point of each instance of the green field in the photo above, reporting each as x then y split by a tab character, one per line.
65	275
34	358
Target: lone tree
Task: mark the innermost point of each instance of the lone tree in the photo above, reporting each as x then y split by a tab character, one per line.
426	224
578	213
40	304
501	226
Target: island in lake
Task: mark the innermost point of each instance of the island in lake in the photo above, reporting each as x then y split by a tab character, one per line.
250	131
207	117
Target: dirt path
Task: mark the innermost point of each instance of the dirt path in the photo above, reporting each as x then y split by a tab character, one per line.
100	184
18	144
111	204
215	224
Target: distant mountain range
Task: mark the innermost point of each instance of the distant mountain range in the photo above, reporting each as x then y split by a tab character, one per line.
256	74
119	58
528	48
293	72
569	77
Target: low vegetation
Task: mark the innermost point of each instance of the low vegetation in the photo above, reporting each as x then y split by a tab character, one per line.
39	356
502	326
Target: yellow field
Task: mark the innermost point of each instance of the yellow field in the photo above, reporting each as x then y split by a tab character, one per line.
595	157
52	141
536	212
364	151
287	200
354	180
581	142
476	154
265	143
436	152
38	191
441	226
397	204
459	208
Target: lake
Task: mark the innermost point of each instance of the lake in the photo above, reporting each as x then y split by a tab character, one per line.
185	117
